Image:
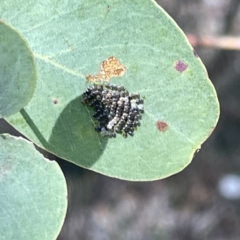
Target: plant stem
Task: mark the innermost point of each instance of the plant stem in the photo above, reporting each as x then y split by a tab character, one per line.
220	42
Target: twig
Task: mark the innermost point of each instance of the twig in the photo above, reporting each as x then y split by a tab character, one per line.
221	42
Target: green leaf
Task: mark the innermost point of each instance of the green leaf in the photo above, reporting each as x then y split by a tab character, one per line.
17	71
70	40
33	192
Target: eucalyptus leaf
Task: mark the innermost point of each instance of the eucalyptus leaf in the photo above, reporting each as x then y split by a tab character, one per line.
70	40
33	192
17	71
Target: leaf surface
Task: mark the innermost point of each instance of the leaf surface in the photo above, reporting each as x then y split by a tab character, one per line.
17	71
70	40
33	192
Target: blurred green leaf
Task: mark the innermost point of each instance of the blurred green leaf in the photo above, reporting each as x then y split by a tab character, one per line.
70	40
17	71
33	192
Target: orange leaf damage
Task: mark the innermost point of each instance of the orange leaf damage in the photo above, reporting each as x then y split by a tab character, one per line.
110	68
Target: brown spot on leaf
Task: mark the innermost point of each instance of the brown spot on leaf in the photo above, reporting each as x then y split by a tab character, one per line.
162	126
55	101
181	66
195	53
111	67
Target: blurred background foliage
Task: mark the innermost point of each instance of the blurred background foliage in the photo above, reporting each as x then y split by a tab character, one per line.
202	201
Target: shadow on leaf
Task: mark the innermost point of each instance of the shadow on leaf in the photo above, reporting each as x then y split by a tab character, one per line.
73	137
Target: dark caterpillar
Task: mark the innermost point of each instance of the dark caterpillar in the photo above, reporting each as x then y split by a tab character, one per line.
116	110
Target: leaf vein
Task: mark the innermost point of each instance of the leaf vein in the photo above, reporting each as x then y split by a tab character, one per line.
57	65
